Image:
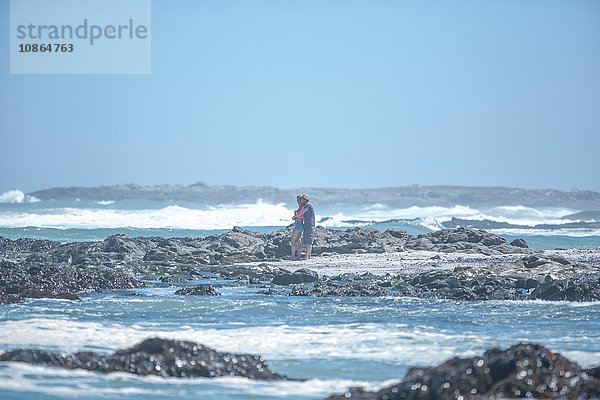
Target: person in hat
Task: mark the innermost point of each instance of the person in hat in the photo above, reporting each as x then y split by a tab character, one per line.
308	232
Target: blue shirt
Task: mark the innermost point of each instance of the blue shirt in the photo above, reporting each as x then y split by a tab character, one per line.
309	216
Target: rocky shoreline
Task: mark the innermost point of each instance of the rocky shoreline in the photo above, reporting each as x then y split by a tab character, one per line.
460	264
148	254
534	277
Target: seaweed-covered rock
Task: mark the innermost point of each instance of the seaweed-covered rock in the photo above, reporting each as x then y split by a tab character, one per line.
199	290
35	280
155	356
355	289
172	279
268	291
522	371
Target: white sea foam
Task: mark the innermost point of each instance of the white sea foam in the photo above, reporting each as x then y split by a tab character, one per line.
367	341
17	377
265	214
572	232
105	202
433	217
17	196
384	342
174	217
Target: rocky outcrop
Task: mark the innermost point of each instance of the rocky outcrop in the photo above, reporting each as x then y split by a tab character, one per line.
536	266
468	284
574	289
260	272
169	256
353	289
167	358
301	275
35	280
199	290
519	243
522	371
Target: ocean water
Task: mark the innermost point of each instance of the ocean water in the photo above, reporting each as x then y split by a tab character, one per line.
330	343
73	220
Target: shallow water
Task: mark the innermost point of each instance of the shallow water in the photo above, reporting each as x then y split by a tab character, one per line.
335	343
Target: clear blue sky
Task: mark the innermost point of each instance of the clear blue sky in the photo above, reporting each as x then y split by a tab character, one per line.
323	93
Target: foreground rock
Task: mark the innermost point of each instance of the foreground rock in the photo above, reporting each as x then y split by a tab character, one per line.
522	371
167	358
19	281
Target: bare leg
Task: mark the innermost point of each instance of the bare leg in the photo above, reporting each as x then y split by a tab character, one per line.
308	251
295	238
299	246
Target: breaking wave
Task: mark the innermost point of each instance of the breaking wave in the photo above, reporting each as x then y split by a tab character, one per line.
17	196
173	217
115	215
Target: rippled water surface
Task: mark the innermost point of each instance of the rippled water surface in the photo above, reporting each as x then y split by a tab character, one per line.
334	343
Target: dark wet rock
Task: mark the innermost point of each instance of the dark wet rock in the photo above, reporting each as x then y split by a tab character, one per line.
300	290
446	284
10	299
567	289
346	276
199	290
526	283
262	272
327	289
431	279
268	291
26	245
454	285
519	243
404	288
33	280
47	294
173	279
522	371
547	262
167	358
302	275
535	261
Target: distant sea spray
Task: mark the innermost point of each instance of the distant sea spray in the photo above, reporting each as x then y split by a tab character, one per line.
62	214
17	196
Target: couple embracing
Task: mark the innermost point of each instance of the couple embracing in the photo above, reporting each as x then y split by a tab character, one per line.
304	225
